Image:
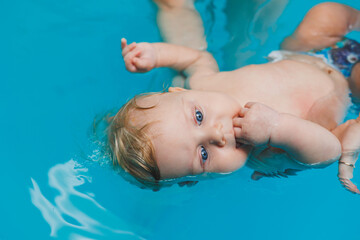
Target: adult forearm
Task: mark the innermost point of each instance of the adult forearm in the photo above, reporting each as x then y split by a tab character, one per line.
305	141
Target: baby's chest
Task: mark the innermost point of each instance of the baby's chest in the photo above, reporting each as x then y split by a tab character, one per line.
322	98
291	96
309	90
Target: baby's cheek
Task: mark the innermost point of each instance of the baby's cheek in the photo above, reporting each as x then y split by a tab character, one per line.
229	160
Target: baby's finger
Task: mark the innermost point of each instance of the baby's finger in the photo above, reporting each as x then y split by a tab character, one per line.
131	56
123	43
130	66
243	112
249	104
237	132
237	122
141	64
128	48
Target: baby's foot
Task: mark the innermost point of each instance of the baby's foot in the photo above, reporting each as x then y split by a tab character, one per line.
350	142
349	185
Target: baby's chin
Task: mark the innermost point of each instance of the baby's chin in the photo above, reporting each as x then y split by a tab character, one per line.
240	145
244	150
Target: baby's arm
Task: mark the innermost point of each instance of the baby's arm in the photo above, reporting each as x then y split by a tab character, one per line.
142	57
305	141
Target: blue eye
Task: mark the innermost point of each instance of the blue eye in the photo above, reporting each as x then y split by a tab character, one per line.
204	154
199	116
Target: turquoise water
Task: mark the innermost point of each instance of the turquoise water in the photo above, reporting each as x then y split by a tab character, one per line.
61	67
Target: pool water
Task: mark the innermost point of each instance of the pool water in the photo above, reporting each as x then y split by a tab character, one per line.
61	68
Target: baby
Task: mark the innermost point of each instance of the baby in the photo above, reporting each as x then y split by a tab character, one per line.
277	118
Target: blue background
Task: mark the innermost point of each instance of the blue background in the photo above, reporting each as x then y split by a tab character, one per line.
61	68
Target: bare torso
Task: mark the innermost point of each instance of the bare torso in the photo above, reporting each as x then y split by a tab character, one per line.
304	86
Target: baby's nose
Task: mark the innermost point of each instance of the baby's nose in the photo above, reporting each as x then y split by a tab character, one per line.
217	136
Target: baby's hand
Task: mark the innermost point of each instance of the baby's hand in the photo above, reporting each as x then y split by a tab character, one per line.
138	57
349	185
350	142
255	123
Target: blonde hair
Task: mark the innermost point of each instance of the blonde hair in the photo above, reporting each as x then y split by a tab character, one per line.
131	146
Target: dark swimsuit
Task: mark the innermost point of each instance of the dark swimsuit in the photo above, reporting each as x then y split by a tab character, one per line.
342	56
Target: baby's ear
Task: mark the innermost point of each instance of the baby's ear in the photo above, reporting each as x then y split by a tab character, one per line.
176	89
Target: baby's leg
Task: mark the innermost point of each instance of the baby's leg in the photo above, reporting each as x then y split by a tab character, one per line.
324	25
181	24
354	81
349	136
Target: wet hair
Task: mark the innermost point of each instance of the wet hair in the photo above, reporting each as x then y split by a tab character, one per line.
131	146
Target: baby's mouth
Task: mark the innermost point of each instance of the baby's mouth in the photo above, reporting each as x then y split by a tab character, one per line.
239	144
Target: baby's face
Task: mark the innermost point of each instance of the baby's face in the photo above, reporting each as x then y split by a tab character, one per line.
193	133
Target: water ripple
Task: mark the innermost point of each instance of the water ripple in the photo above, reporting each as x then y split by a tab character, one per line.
76	215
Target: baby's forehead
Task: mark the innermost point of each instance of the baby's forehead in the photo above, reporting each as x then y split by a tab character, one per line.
144	110
148	101
162	111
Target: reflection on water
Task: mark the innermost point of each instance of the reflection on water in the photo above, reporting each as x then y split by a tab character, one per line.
249	23
76	215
